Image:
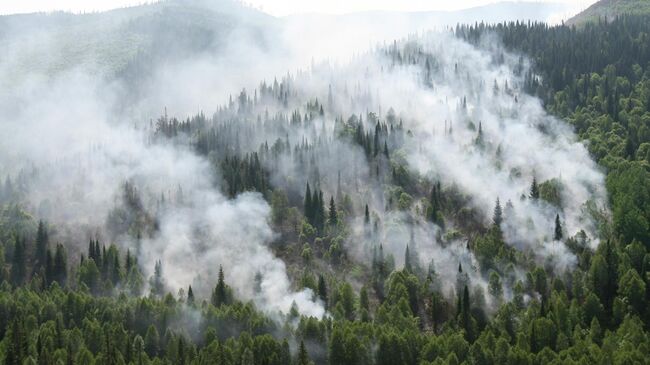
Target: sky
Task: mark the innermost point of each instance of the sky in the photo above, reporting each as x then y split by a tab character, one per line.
273	7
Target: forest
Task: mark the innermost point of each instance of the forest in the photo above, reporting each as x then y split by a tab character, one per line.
422	205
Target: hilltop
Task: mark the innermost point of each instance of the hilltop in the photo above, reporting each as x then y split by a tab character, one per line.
610	9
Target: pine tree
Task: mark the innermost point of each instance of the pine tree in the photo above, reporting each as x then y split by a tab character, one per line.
434	201
91	250
534	189
366	219
116	270
497	218
220	295
42	241
322	290
465	313
320	223
407	260
308	205
157	281
303	356
190	296
17	344
18	263
558	228
128	262
60	270
333	217
152	341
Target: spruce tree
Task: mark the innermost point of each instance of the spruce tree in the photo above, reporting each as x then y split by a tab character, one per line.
41	243
534	189
366	218
190	296
558	228
322	290
465	313
308	205
220	295
497	218
407	260
303	356
321	211
333	217
18	263
60	266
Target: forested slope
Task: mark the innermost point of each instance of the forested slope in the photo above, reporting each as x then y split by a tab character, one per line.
609	10
426	208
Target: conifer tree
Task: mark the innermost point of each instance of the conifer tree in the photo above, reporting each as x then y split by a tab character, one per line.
534	189
322	290
497	218
465	313
308	205
220	295
49	267
321	211
303	356
558	228
41	243
60	266
157	281
190	296
407	260
366	218
333	217
18	262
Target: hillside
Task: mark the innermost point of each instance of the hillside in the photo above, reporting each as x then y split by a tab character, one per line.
610	9
176	190
106	42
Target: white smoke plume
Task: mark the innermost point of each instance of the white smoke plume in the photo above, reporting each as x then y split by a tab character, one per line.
73	129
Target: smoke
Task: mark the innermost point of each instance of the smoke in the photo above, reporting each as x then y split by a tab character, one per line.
467	122
83	138
82	156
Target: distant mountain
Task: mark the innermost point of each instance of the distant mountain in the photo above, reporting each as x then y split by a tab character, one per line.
415	21
609	9
106	43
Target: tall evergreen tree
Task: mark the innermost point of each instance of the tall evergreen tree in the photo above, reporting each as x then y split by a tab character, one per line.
19	262
497	218
534	189
157	281
366	216
60	270
220	294
190	296
322	290
308	205
303	356
407	260
42	241
333	217
558	228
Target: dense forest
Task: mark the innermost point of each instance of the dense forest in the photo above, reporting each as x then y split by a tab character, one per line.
405	265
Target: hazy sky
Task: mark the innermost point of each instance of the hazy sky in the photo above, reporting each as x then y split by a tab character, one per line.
275	7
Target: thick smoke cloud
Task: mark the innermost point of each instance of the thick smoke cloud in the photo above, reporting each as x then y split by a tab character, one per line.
74	129
466	89
82	157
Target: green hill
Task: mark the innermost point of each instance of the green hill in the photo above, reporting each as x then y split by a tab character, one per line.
107	42
609	9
